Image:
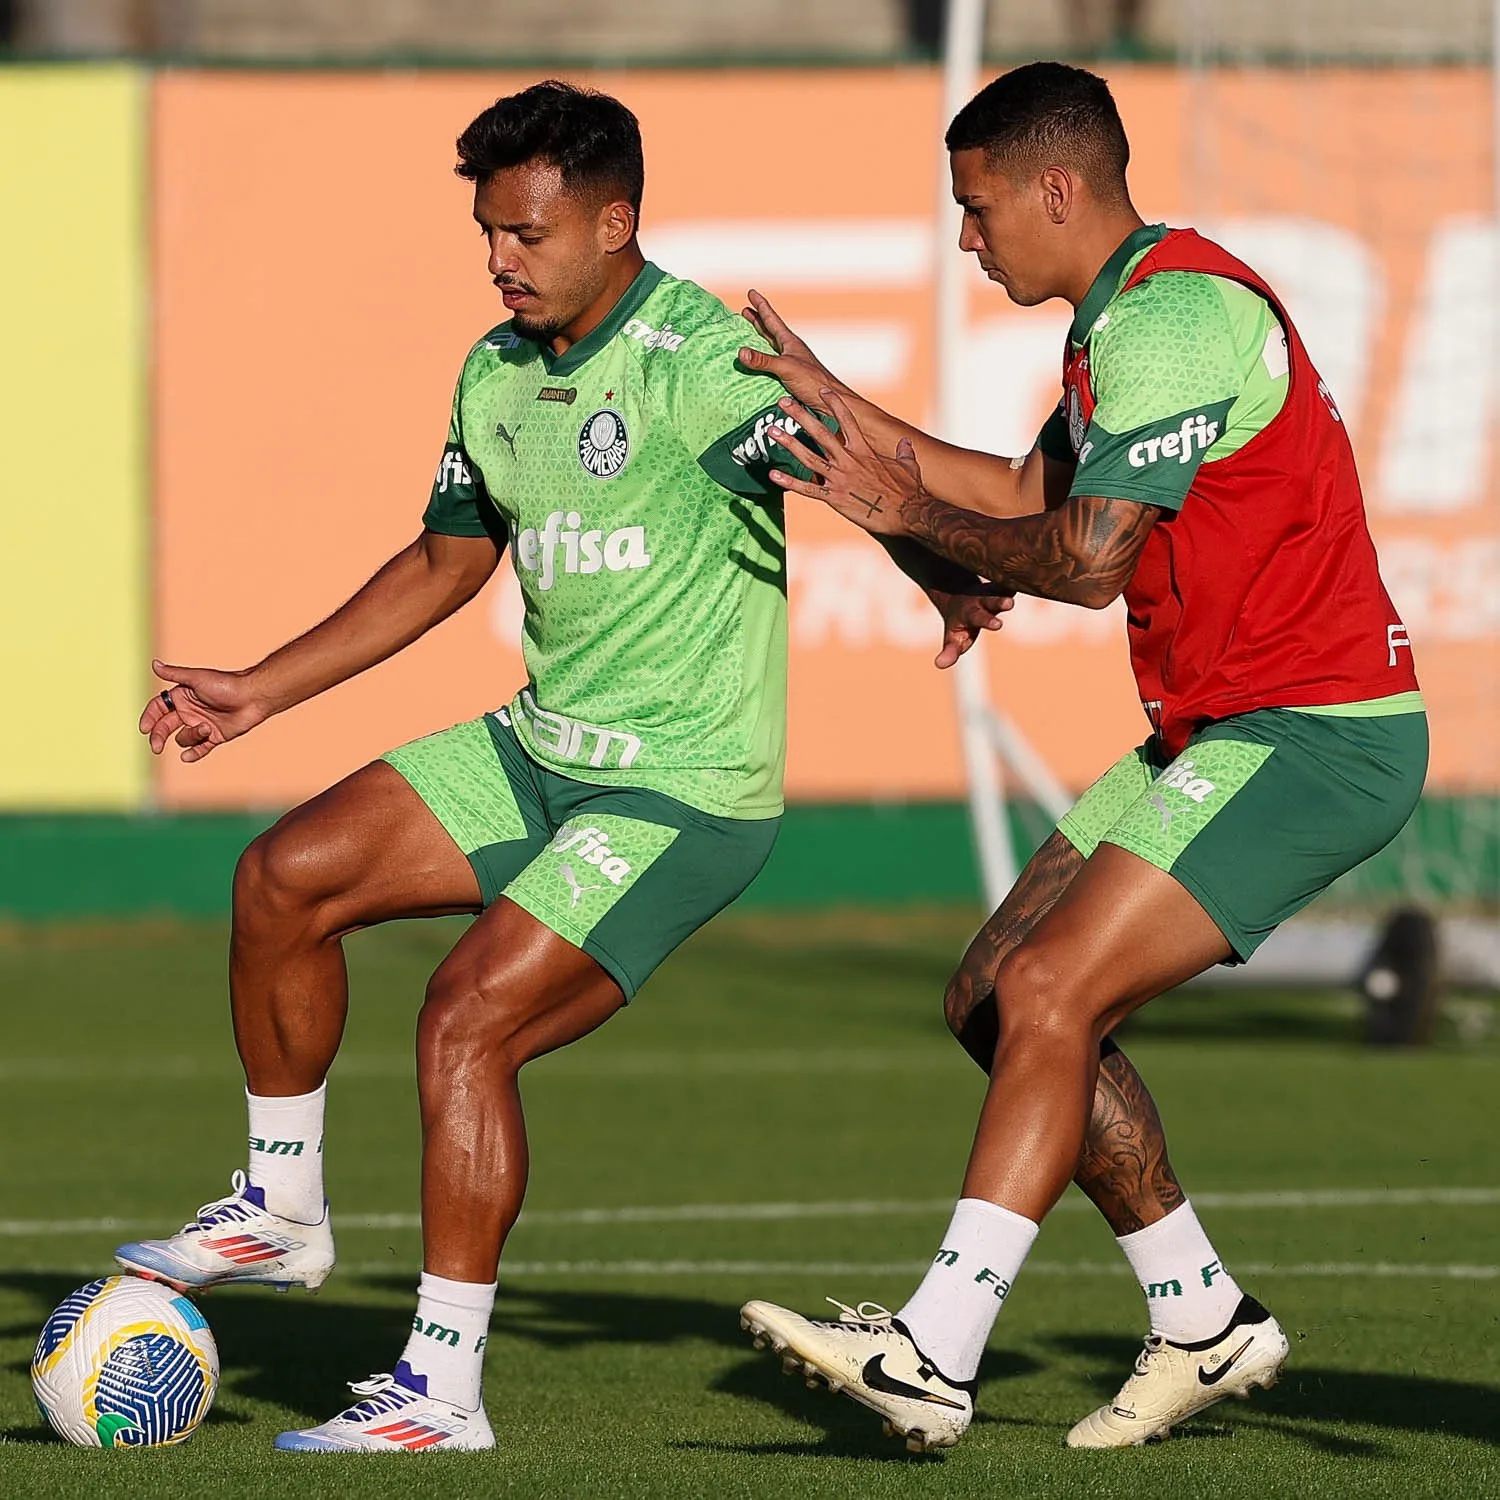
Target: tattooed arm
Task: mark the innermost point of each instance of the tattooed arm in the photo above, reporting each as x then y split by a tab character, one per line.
1082	552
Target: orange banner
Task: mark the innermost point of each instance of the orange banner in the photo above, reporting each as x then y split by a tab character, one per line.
318	280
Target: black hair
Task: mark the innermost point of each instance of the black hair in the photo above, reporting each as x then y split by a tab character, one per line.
1048	113
591	138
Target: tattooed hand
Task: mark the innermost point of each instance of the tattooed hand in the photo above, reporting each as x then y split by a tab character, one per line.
850	476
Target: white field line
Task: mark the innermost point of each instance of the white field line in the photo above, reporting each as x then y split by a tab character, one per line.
834	1269
916	1268
723	1213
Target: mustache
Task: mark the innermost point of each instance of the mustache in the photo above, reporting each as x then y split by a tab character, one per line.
510	284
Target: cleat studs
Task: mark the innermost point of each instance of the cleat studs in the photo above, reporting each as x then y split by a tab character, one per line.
811	1383
282	1287
888	1429
835	1386
916	1442
790	1364
758	1342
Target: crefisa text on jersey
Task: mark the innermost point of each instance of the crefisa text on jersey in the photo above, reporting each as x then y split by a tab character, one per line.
583	550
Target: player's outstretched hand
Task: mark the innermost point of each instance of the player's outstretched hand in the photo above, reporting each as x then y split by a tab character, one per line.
201	709
964	617
794	364
862	485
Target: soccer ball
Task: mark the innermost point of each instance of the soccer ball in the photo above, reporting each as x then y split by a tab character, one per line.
125	1363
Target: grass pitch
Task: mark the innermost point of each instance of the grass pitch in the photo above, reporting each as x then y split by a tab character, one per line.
696	1153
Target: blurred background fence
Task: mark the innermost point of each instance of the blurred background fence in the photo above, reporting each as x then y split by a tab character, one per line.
234	300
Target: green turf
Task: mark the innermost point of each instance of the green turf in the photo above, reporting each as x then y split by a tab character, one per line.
775	1060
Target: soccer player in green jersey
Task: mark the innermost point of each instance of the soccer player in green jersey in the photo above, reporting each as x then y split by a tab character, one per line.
627	793
1198	466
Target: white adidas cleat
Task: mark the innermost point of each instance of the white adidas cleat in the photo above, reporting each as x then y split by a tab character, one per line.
236	1240
1173	1381
868	1356
394	1415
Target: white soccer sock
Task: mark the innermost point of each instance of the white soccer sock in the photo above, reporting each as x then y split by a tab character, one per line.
286	1153
950	1315
448	1336
1189	1294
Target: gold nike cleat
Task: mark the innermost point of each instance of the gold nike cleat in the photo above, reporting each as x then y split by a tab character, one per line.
1174	1381
868	1356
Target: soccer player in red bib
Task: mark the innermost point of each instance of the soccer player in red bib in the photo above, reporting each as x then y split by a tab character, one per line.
1198	465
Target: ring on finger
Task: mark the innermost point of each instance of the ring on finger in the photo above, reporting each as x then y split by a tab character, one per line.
166	697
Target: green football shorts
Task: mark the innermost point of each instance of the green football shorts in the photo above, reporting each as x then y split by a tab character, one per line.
623	873
1263	811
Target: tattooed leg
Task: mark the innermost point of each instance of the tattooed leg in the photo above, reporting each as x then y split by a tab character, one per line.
1124	1168
970	1001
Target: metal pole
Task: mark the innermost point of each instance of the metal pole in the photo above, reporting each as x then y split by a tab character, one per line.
963	50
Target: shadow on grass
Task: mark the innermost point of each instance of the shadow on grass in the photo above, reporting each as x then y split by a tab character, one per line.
298	1352
293	1350
849	1430
1322	1017
1311	1395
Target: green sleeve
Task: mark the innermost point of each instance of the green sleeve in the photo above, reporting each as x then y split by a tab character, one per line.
459	504
722	411
1166	369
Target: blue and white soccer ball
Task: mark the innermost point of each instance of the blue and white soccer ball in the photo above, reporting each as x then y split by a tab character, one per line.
125	1363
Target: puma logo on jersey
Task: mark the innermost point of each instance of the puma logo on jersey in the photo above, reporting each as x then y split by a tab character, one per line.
1195	435
508	437
582	550
1167	813
1180	776
592	847
654	338
756	447
579	891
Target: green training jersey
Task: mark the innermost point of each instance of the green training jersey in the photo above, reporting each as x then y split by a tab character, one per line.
629	477
1180	347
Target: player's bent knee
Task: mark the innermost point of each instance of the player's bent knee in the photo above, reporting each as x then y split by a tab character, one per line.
1036	995
466	1012
278	877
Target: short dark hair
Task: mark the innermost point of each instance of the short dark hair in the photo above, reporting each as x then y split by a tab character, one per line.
1048	109
591	138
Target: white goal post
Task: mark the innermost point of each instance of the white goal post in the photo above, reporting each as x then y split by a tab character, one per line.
994	749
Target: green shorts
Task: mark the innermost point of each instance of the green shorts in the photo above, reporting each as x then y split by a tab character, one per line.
1261	812
623	873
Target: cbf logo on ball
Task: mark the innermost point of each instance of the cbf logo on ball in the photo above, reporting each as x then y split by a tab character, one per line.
604	444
